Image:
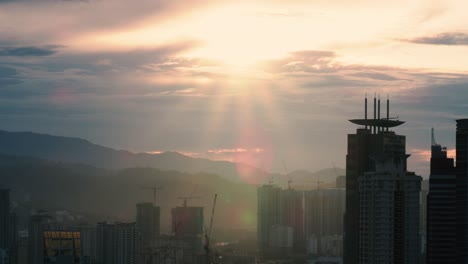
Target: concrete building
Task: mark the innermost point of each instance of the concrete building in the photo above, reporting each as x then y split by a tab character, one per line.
148	222
389	220
462	190
441	208
324	211
378	156
270	213
39	223
117	243
88	239
281	240
293	216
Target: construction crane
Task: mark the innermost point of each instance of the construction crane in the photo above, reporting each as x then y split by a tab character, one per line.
155	190
287	175
207	246
186	198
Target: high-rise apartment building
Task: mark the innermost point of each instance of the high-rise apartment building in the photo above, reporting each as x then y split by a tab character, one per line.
147	221
378	155
441	208
269	199
38	224
324	211
117	243
389	216
293	216
462	190
88	241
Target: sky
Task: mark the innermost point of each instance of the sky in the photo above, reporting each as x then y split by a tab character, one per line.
259	82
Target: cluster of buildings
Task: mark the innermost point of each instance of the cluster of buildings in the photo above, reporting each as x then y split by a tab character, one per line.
50	241
300	222
447	202
382	215
376	214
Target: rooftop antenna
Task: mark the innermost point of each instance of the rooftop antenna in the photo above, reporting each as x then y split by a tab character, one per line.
388	109
434	143
365	109
378	115
375	112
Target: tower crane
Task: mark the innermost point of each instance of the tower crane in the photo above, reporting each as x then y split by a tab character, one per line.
287	175
155	189
207	245
186	198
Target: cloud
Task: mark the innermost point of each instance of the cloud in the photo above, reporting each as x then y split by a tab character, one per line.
65	21
156	98
28	51
450	39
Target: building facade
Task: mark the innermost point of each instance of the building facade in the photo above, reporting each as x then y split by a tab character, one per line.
148	222
39	223
462	190
374	151
441	208
389	219
117	243
269	214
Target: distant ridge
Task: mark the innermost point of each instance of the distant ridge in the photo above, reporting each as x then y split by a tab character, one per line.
73	150
81	151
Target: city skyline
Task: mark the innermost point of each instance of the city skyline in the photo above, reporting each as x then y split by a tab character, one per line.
256	82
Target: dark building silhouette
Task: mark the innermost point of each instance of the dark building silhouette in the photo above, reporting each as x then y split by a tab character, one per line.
378	156
441	208
269	214
148	222
462	190
38	224
4	218
187	224
294	216
280	224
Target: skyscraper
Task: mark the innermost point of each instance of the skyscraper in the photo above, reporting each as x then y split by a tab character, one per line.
4	218
269	214
462	190
441	208
389	217
378	155
147	221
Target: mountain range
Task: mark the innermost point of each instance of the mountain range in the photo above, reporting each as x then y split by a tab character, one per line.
81	151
